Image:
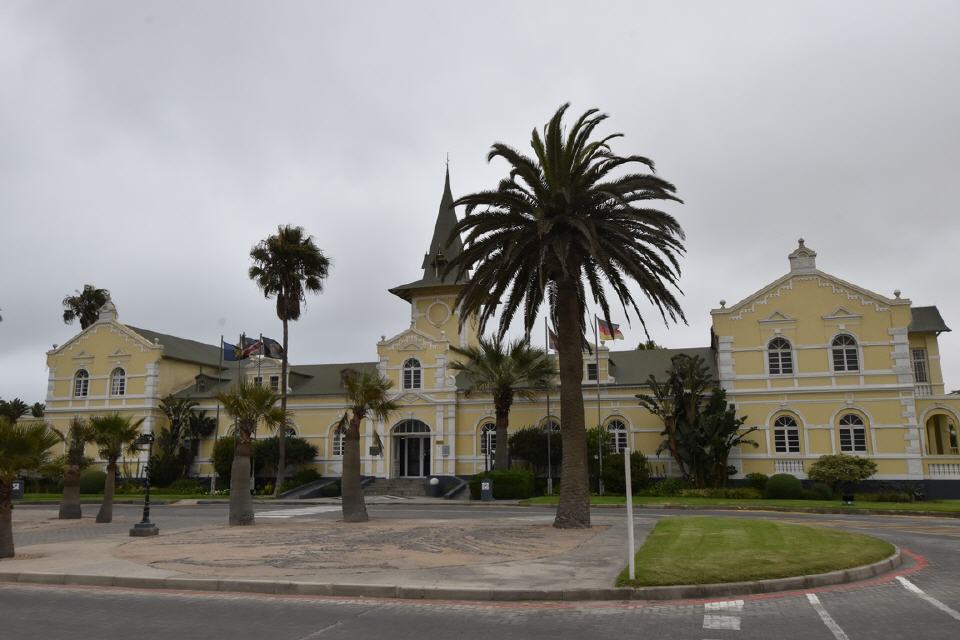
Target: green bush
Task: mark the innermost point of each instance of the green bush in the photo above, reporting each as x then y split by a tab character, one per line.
512	484
223	457
841	471
783	486
266	453
669	487
184	486
740	493
92	481
884	496
614	479
758	481
821	491
129	489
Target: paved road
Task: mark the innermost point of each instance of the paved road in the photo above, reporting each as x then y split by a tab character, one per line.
924	603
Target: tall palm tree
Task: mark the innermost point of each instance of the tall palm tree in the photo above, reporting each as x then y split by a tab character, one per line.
75	440
367	396
23	446
287	265
504	371
84	305
559	224
248	405
114	435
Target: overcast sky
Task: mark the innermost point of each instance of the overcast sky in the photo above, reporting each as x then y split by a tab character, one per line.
146	146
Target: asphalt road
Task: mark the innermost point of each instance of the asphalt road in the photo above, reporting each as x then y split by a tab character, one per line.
923	603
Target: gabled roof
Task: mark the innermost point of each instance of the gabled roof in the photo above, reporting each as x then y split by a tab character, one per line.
181	348
926	319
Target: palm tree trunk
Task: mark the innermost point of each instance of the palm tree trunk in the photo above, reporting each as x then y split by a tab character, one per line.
573	512
502	454
6	518
106	507
70	504
282	433
354	507
241	502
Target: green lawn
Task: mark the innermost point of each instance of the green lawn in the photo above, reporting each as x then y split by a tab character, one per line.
706	550
166	497
939	506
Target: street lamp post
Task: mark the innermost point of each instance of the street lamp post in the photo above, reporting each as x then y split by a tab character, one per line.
145	528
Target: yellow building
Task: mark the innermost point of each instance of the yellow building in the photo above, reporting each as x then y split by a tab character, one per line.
820	365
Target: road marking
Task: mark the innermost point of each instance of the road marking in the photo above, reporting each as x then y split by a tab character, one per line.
835	629
717	621
921	594
293	513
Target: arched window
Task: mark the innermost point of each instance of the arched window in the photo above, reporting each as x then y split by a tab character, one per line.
853	435
338	433
118	382
618	436
779	357
551	424
411	374
845	356
488	439
81	384
410	426
786	435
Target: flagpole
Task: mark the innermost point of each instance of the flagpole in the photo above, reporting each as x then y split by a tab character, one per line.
260	360
596	338
216	429
546	344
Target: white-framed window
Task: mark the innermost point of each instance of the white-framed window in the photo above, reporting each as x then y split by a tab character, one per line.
786	435
780	357
81	384
338	434
488	439
275	383
921	371
844	352
258	381
618	436
118	382
591	371
853	434
412	374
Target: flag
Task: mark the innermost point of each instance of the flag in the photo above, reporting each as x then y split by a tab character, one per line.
377	442
232	352
272	348
551	339
609	331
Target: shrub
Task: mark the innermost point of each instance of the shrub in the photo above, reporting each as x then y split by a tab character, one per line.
512	484
92	481
223	457
841	470
669	487
184	486
614	479
885	496
741	493
530	445
128	489
783	486
821	491
266	453
758	481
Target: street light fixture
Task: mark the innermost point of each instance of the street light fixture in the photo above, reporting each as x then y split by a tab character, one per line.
145	528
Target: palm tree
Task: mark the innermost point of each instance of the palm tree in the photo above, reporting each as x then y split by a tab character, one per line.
248	405
113	434
38	409
367	395
23	446
287	265
74	460
14	409
504	371
85	305
558	224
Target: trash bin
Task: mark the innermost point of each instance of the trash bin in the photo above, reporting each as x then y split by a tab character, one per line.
486	490
17	487
433	488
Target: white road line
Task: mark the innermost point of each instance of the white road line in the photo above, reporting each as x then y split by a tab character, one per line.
293	513
835	629
921	594
731	623
725	605
717	621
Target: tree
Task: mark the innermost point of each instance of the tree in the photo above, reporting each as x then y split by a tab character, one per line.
24	446
530	445
38	409
287	266
74	460
84	305
114	435
266	453
841	471
559	224
504	371
178	441
648	345
248	405
14	409
367	396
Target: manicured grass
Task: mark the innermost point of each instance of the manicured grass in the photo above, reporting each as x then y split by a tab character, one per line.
939	506
167	497
707	550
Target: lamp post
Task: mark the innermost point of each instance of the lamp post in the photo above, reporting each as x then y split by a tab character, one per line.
145	528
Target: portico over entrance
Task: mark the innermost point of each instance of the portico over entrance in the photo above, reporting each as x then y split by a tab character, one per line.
410	456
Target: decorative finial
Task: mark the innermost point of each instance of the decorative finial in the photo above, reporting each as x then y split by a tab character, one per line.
723	304
55	345
801	242
448	161
896	293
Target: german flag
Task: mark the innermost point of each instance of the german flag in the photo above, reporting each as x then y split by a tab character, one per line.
609	331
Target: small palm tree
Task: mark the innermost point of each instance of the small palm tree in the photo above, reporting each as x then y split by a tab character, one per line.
14	409
114	435
504	371
559	223
84	305
38	409
23	446
248	405
75	440
367	396
287	266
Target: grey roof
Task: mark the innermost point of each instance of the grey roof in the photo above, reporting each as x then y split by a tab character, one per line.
432	266
305	380
925	319
635	367
181	348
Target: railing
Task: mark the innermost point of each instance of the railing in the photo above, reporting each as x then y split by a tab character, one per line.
923	389
788	466
944	470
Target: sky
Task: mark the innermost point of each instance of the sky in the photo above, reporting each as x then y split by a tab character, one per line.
145	147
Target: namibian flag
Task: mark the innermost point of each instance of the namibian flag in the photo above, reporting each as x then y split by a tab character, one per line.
609	331
272	348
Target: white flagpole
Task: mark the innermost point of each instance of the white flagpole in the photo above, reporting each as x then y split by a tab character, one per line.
546	343
596	338
631	554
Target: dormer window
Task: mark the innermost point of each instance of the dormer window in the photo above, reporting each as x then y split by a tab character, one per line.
411	374
118	382
81	384
779	357
845	356
275	383
591	371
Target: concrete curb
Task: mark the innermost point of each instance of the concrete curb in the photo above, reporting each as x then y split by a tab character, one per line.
679	592
854	511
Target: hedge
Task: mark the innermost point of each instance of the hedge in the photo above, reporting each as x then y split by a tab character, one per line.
512	484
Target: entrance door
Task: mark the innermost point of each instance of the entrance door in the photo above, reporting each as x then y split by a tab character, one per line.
413	456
